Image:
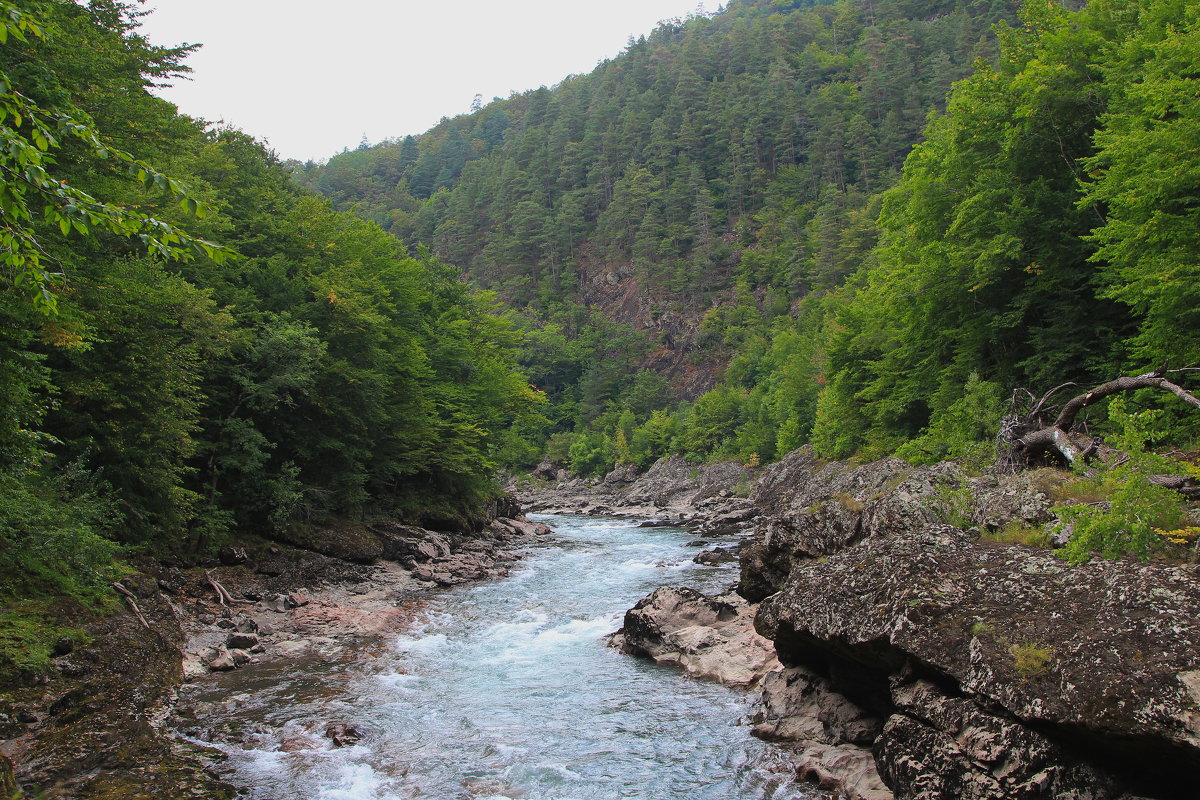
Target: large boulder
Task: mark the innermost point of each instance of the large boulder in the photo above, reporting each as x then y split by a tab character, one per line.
1003	665
812	508
709	637
408	544
676	483
342	539
830	736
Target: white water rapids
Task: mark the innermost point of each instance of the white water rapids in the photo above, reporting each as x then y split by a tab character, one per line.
507	690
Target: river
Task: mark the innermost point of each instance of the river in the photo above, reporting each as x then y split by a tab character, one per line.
506	690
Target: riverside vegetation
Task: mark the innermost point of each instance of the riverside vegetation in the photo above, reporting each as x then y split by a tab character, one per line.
854	225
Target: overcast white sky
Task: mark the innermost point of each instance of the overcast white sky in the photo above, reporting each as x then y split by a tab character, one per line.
313	77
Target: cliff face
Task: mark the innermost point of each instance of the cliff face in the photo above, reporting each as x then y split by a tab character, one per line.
996	671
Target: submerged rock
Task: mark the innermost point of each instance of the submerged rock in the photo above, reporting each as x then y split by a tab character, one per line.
343	735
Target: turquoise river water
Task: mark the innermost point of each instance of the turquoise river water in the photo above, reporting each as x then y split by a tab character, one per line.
507	689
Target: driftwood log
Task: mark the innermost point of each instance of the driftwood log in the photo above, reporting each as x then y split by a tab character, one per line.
1026	436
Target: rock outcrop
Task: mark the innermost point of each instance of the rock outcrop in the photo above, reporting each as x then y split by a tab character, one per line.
673	490
966	668
1034	678
92	732
924	660
709	637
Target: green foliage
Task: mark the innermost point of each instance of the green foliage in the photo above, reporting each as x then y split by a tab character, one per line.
954	505
1030	659
1017	532
724	166
30	135
591	454
965	429
1144	174
325	372
51	535
28	633
1125	522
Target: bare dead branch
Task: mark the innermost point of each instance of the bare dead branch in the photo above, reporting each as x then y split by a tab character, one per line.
1023	437
223	595
132	600
1150	380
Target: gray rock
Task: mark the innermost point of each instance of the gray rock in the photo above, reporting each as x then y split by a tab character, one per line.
708	637
1103	658
231	556
222	662
344	735
241	641
719	555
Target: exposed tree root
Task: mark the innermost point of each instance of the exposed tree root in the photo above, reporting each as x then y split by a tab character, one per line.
1027	436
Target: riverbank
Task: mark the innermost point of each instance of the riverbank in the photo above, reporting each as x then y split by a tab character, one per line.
934	647
99	726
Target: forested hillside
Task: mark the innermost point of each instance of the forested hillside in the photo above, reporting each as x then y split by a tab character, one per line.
731	186
160	390
647	215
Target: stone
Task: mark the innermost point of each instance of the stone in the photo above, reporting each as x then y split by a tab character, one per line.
64	646
241	641
719	555
708	637
222	662
346	540
276	602
344	735
408	544
231	556
1088	658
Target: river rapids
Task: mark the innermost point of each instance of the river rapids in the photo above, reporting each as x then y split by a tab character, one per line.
506	689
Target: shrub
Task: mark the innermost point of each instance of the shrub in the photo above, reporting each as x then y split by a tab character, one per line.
1126	523
964	430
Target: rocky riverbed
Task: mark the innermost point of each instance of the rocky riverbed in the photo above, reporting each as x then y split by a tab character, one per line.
920	655
100	727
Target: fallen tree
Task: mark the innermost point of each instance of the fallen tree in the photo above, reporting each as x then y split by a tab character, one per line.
1036	426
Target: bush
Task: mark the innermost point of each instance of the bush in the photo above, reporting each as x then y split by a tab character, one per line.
591	455
1127	523
964	430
